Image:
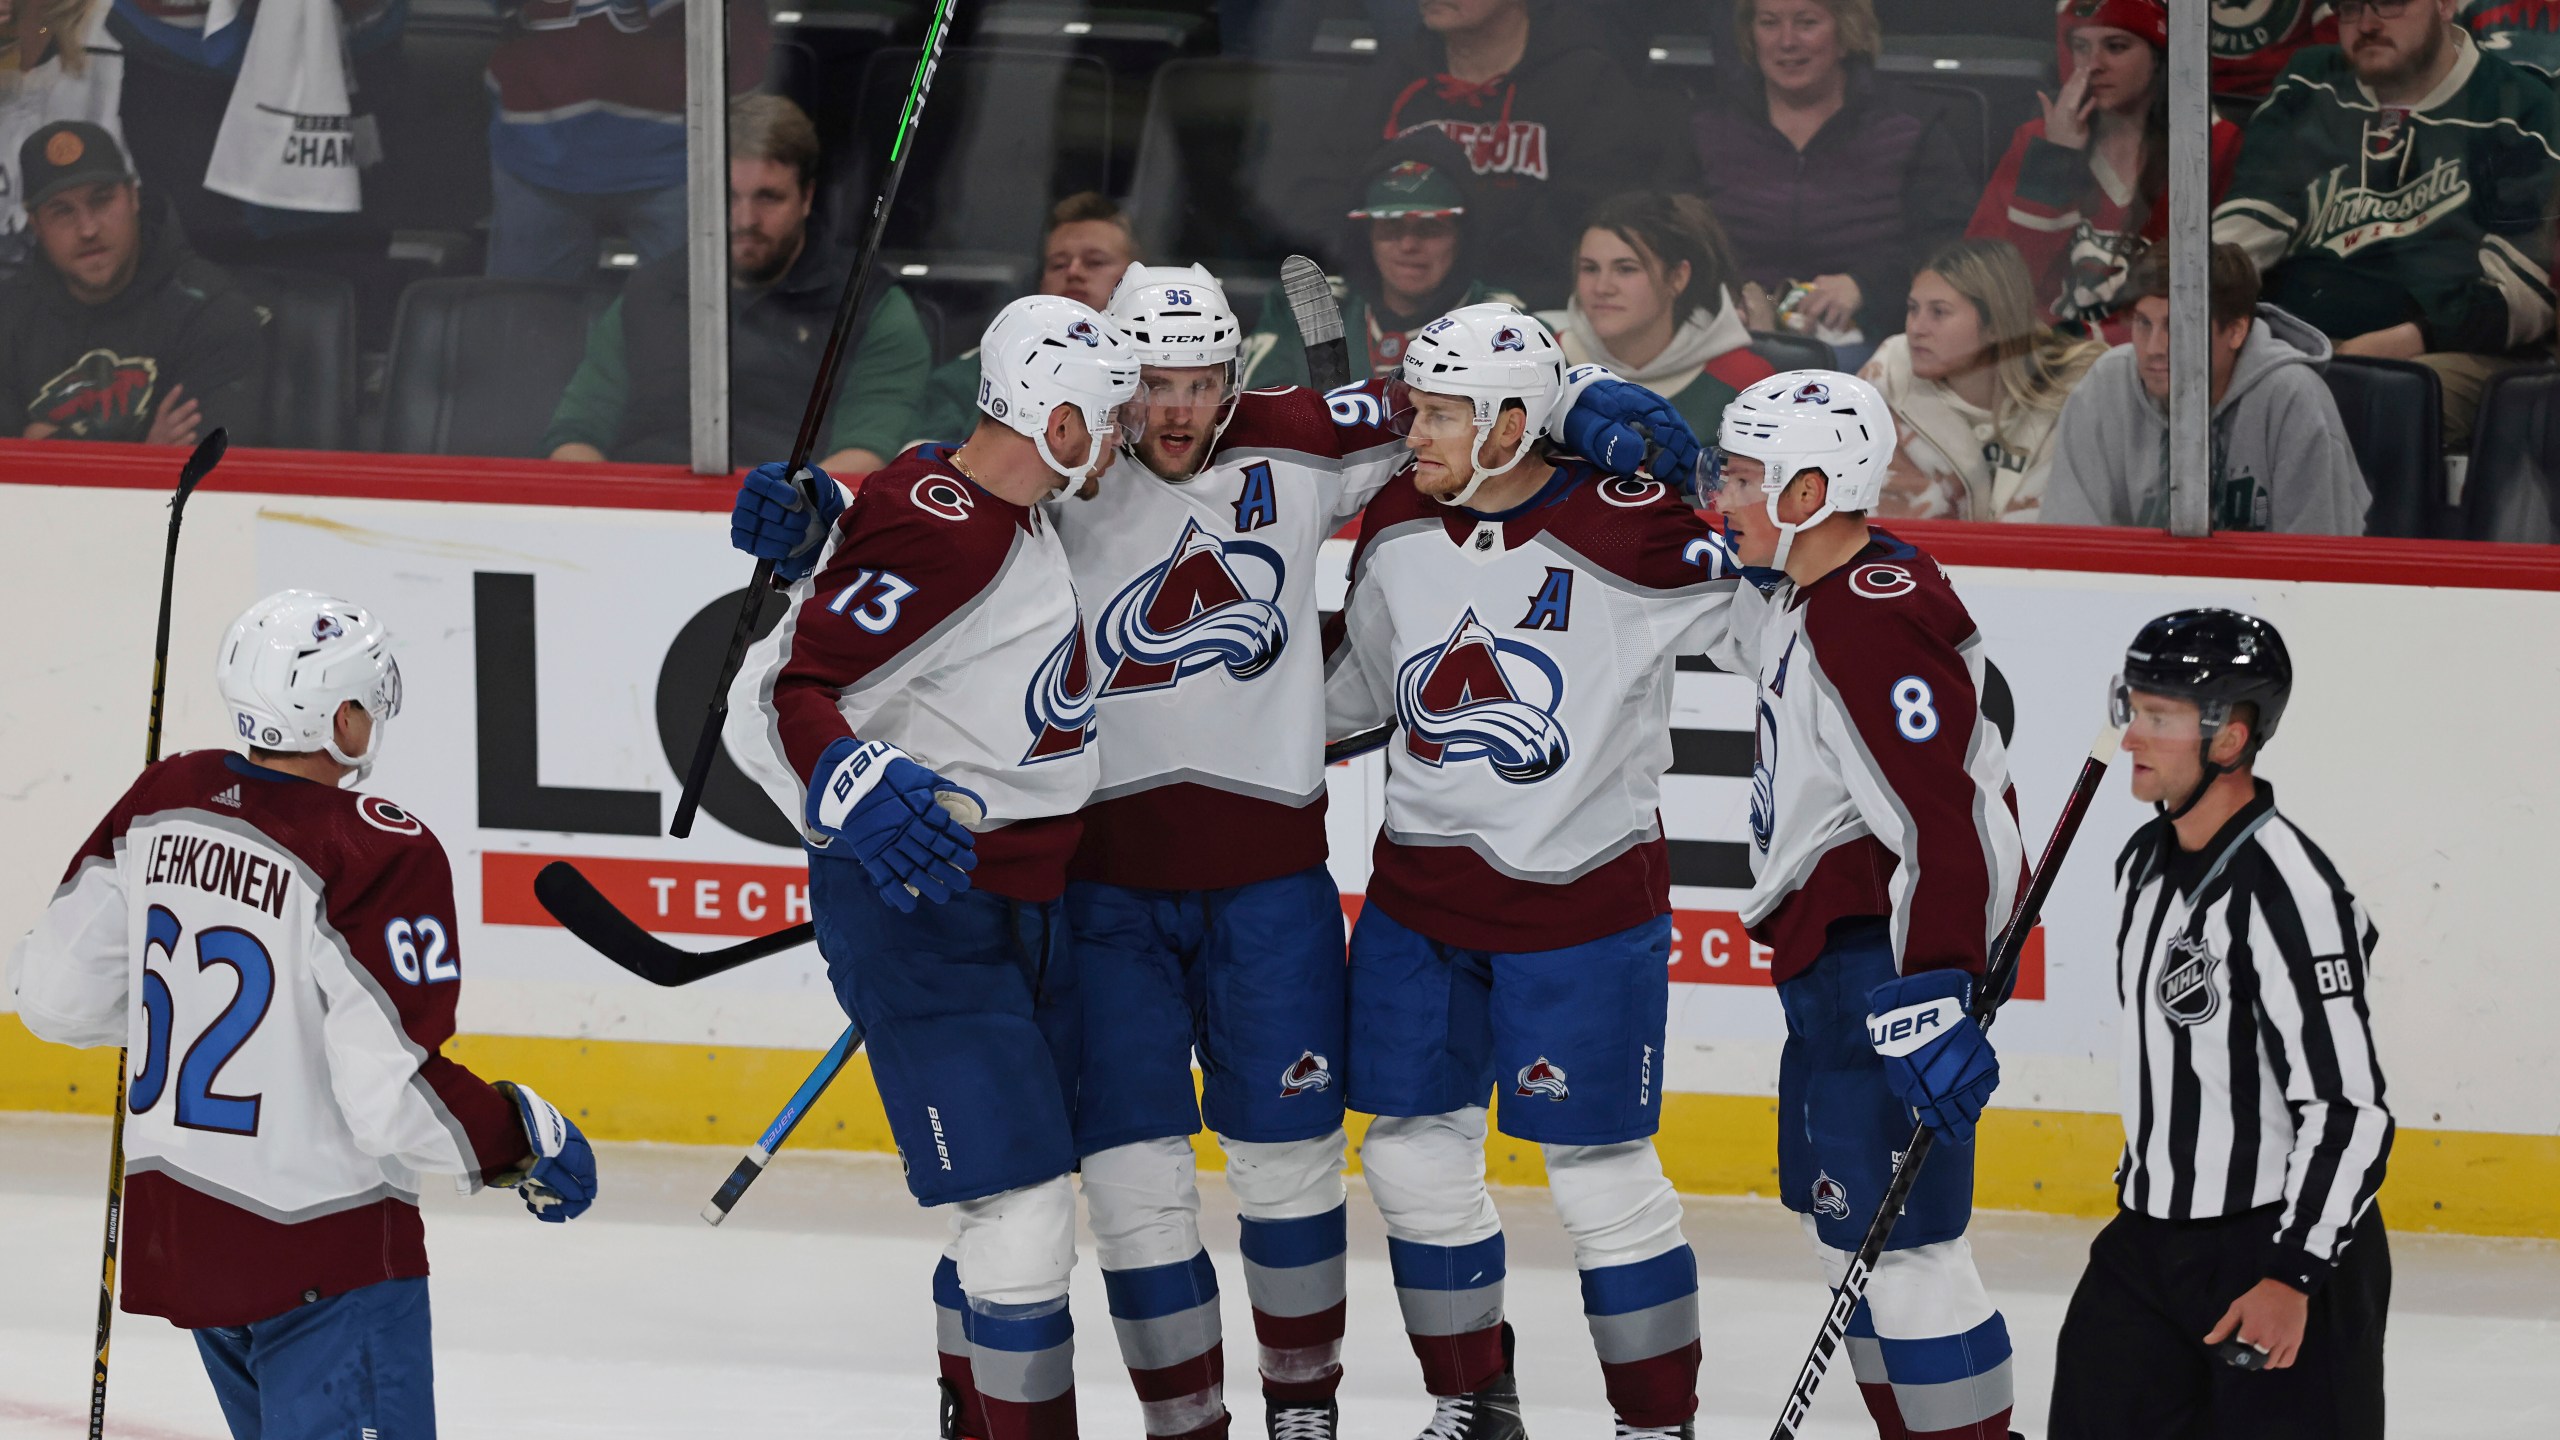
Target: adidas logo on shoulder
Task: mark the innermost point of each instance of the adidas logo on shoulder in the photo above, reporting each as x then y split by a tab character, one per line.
230	797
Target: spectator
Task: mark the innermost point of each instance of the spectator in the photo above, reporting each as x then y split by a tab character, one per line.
2396	193
1548	123
2082	191
122	333
586	129
1848	178
80	81
2520	32
1652	301
2281	460
2252	43
1976	382
1087	246
630	398
1412	270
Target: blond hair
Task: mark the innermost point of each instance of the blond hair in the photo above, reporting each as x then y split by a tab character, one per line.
2033	365
1861	35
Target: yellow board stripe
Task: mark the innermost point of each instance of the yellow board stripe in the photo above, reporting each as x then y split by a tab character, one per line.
2057	1161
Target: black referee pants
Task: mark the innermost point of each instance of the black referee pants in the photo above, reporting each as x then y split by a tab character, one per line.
2132	1362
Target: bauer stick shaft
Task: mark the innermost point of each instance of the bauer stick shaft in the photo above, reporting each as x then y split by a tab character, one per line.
1996	979
822	391
207	454
760	1154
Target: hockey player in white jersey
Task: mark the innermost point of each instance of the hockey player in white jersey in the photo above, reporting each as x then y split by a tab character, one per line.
926	707
1517	614
1885	859
281	957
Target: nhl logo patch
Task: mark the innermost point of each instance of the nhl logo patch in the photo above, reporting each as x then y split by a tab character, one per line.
1830	1197
1310	1071
1542	1076
2188	992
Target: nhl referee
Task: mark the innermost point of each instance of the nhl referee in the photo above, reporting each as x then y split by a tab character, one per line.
2242	1287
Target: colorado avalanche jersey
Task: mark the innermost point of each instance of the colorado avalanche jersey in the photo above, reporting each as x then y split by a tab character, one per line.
280	958
1207	657
943	620
1526	659
1878	788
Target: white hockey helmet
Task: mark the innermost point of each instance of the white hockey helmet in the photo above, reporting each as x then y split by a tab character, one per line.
1812	420
1489	354
292	659
1176	315
1044	351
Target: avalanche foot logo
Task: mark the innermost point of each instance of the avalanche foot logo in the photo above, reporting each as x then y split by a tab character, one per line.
1059	705
1542	1076
1310	1071
1481	697
1830	1197
2188	994
1193	611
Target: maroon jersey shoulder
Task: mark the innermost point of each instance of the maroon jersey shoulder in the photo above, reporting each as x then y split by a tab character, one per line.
920	511
1640	531
1334	426
1890	586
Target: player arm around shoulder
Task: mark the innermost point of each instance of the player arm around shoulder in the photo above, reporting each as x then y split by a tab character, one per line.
1802	458
318	674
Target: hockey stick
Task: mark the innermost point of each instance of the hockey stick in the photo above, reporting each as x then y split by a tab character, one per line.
821	392
1311	304
1996	978
208	453
760	1154
583	911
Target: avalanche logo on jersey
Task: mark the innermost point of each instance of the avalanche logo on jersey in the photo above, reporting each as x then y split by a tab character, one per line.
1830	1197
1059	705
1194	611
1310	1071
1541	1076
1481	697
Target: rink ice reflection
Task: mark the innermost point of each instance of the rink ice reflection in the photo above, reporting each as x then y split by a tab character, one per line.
807	1315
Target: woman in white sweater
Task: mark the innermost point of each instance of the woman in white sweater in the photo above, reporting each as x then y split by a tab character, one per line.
1976	382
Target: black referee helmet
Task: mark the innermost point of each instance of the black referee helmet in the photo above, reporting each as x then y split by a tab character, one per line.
2218	659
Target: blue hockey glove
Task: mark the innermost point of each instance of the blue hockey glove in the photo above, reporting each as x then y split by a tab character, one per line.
560	1182
771	521
868	800
1936	1057
1621	428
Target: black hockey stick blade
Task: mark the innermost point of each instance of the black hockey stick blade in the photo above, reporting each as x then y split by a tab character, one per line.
1996	978
1350	746
1319	320
207	454
583	911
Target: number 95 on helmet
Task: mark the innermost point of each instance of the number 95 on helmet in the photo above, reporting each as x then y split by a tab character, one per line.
289	662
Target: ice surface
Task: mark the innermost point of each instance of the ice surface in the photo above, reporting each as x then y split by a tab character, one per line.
807	1315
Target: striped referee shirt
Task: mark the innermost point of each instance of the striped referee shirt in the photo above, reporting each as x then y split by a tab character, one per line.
2249	1077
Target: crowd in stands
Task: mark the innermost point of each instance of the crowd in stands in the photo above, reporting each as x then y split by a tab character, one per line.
2383	178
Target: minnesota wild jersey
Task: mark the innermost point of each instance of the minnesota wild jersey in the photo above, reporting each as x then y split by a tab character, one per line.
2364	215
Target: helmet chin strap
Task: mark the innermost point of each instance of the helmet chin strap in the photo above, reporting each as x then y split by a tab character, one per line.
1787	533
1475	462
358	766
1066	476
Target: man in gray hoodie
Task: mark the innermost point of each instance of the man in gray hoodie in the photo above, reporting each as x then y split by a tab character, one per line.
2280	456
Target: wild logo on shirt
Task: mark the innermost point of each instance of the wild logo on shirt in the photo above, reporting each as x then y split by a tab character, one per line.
1207	605
1481	697
2345	218
2187	991
100	396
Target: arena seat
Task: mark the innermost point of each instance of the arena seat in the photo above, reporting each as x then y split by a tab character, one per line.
1794	352
477	365
2515	461
1216	155
311	357
2394	413
2005	70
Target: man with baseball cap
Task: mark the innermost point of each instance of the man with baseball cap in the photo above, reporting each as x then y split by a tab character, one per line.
121	332
1412	271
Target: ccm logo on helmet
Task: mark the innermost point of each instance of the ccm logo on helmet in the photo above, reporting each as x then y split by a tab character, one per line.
1083	330
1510	338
